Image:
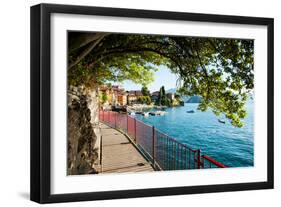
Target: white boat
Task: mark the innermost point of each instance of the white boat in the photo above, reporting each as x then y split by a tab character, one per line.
145	114
160	113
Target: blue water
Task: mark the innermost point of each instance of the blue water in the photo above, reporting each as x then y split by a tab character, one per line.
201	130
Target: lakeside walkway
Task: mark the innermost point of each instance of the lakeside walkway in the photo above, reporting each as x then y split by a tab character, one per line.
119	154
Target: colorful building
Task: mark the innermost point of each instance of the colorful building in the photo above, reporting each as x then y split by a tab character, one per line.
115	95
133	96
122	99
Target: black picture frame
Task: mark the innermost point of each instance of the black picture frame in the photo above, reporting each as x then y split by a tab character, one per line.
41	96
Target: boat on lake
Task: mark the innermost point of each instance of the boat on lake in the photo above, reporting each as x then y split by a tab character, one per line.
157	113
161	107
145	113
190	111
221	121
161	113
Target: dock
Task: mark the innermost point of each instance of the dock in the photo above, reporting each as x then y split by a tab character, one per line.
119	154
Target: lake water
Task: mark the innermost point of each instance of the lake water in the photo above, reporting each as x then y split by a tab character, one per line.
201	130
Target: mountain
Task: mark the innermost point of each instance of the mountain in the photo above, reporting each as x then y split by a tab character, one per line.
171	90
186	99
194	99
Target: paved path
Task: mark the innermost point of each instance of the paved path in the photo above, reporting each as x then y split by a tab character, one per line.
119	155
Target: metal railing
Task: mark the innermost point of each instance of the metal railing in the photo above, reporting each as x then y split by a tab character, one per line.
164	152
208	162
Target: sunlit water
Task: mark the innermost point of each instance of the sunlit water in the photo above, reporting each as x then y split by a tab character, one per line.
201	130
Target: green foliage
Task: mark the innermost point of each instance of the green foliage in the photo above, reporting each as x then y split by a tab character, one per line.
163	100
218	70
103	98
80	75
177	96
144	100
145	91
178	100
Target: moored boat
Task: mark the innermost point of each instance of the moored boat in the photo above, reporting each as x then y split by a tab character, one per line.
157	113
145	114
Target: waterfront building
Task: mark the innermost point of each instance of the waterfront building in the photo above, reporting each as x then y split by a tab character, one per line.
171	96
154	96
115	95
133	96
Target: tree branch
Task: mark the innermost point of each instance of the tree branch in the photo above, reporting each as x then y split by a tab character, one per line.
87	50
137	50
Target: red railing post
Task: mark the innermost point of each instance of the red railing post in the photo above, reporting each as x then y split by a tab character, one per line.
115	120
175	155
198	159
178	160
153	145
135	129
112	115
189	156
212	161
127	116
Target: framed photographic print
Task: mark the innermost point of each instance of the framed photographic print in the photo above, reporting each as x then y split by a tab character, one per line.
132	103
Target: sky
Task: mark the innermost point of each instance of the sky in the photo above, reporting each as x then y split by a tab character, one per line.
162	77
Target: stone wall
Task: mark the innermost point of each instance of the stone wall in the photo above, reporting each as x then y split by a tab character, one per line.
83	142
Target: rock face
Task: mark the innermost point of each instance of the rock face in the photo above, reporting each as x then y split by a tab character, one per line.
83	148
